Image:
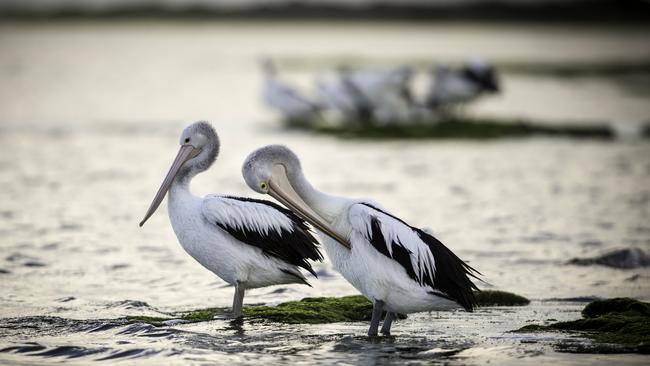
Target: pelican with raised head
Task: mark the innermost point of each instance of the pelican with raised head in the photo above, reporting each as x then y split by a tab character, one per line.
398	267
249	243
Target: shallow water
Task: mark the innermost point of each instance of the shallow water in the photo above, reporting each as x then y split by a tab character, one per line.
89	119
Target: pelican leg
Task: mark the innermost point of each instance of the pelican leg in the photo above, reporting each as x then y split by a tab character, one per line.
388	321
377	309
238	300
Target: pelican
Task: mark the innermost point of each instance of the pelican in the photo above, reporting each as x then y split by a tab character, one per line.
248	243
396	266
370	95
285	99
483	74
388	92
344	95
451	87
372	81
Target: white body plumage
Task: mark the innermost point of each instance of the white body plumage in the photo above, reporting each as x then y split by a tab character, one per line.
450	87
193	220
333	95
376	276
385	90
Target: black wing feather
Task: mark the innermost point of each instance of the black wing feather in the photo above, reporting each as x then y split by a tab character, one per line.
452	275
294	247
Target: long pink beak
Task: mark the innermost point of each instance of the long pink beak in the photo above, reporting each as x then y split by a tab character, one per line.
185	153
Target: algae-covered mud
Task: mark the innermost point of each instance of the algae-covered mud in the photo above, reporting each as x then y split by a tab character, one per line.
615	326
90	116
312	310
467	128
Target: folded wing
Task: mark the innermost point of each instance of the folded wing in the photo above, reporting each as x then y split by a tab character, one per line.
424	258
275	230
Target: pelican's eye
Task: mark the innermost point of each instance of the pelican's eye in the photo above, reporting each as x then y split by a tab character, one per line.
263	186
187	140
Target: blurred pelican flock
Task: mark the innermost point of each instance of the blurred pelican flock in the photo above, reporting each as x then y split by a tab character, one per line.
518	136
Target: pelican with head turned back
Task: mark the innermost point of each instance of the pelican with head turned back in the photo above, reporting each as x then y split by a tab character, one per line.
249	243
398	267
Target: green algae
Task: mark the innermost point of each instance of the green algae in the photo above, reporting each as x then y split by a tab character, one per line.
499	298
194	316
153	320
311	310
618	321
203	315
316	310
621	305
319	310
456	128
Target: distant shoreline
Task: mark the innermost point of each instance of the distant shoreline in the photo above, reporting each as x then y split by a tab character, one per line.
589	11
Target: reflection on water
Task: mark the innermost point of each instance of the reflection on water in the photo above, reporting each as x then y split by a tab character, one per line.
89	118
